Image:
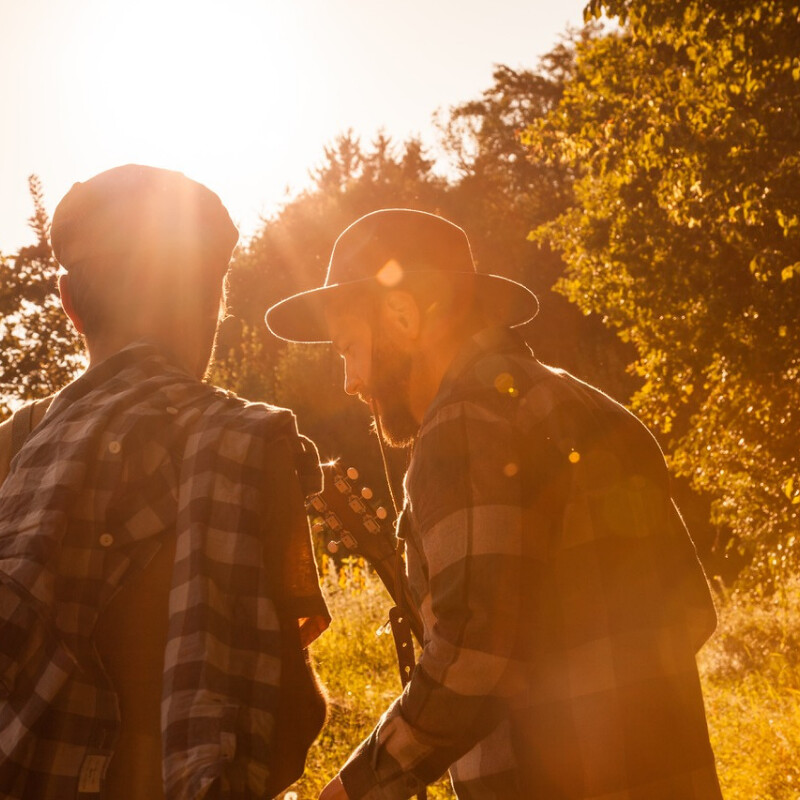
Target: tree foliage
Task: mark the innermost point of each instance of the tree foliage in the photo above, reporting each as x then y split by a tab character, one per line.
648	171
290	254
41	350
683	132
495	195
503	190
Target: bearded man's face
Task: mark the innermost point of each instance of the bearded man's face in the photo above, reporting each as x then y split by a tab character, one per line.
389	388
378	371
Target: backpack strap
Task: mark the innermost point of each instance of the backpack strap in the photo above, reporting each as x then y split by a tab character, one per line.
22	423
21	426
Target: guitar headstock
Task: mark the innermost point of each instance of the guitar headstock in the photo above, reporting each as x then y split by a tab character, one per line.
345	512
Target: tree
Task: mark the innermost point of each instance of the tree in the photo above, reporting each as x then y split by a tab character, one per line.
41	350
291	251
504	189
290	254
683	132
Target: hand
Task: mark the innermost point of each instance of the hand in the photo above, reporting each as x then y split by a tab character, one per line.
334	791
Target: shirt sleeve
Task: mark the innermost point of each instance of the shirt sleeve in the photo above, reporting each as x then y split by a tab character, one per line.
465	487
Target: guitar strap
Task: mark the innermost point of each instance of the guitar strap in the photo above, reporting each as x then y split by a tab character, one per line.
401	627
398	618
21	426
22	423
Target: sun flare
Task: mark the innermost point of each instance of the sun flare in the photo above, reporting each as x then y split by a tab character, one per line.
202	87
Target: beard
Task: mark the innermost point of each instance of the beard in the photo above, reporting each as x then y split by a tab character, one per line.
389	391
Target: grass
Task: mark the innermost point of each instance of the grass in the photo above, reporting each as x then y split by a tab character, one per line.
359	671
751	677
750	671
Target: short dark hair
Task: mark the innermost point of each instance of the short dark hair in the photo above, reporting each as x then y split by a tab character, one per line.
440	294
138	240
105	301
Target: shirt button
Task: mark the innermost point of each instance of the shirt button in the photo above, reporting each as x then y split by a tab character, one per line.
114	447
106	539
171	410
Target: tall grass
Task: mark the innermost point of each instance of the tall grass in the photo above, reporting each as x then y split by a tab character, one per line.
750	671
751	677
358	667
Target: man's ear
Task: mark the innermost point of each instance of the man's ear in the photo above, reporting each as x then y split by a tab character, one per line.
66	301
401	314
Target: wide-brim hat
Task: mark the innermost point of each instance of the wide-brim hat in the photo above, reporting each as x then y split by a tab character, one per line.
142	218
391	248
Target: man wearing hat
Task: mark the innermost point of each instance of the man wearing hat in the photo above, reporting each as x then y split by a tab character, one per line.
561	596
157	586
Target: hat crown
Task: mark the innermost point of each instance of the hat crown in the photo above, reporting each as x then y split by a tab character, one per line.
383	249
413	241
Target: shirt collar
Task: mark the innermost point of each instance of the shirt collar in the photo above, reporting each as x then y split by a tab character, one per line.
488	340
134	353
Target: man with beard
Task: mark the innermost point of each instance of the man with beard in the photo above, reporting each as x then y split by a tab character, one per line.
157	585
560	593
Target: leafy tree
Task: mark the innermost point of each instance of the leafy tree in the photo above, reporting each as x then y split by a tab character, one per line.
41	350
241	362
682	130
503	189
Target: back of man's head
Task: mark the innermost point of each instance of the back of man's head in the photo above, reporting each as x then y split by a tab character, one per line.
141	244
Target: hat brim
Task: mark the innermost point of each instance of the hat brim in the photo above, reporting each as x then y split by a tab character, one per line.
301	317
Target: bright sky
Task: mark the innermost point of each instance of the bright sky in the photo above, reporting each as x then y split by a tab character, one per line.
242	95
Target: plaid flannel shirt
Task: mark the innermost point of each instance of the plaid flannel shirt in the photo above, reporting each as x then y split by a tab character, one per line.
561	595
130	451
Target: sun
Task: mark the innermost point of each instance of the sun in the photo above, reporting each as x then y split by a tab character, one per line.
205	87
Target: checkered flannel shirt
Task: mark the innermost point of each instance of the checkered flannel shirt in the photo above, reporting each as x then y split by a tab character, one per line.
129	451
561	595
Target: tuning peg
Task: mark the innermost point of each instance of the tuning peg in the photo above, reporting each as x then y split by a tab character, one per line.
370	525
333	522
317	503
356	505
318	527
366	493
381	513
347	541
352	473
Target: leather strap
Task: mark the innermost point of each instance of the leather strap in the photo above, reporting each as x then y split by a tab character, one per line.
401	633
21	426
22	422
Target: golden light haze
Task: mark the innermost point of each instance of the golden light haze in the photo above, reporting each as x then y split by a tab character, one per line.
242	94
